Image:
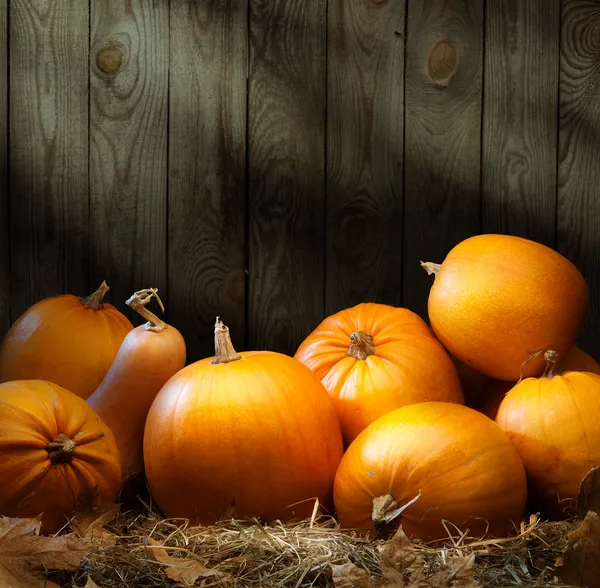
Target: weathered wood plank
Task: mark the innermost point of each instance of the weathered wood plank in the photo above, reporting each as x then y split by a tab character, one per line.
128	146
442	140
48	149
579	152
287	82
365	127
207	170
520	118
4	208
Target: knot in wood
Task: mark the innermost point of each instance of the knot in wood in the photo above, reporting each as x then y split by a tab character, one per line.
109	59
442	63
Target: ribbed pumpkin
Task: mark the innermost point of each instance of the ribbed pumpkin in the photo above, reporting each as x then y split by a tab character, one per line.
149	355
374	358
246	435
54	452
554	423
441	461
65	339
497	300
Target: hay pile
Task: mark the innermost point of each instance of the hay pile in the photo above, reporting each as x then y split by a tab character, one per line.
139	549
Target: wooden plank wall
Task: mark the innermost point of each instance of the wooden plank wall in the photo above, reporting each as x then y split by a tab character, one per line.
274	161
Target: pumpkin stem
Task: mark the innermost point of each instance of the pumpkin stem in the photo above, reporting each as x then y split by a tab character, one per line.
430	267
386	510
224	350
551	358
60	449
138	302
361	345
94	300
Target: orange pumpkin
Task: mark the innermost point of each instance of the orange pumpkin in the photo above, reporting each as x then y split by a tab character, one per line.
150	354
373	358
65	339
54	452
578	360
554	423
247	435
429	462
497	300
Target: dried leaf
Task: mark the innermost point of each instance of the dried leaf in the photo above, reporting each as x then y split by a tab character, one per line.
89	524
459	572
579	565
181	570
350	576
90	583
588	497
399	558
25	555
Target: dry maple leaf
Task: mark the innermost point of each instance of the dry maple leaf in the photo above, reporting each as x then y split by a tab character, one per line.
182	570
90	583
89	524
588	497
25	555
579	564
348	575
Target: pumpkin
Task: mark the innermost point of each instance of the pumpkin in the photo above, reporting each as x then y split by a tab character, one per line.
65	339
428	462
373	358
149	355
55	453
554	423
252	434
497	300
578	360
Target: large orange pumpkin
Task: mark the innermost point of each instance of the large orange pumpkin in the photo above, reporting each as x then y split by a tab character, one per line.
554	423
442	461
65	339
54	452
246	435
374	358
497	300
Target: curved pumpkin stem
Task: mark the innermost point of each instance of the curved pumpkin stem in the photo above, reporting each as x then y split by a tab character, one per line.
361	345
430	267
224	350
94	300
60	449
138	303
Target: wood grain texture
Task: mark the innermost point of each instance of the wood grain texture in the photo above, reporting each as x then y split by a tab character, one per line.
520	118
442	135
128	146
365	127
579	152
286	171
4	208
48	149
207	170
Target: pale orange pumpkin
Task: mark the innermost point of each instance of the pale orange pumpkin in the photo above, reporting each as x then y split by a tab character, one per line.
425	463
54	453
246	435
150	354
554	423
374	358
65	339
497	300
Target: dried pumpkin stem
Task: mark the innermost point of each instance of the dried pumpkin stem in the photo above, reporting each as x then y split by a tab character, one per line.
224	350
551	358
60	449
430	267
138	303
361	345
94	300
386	510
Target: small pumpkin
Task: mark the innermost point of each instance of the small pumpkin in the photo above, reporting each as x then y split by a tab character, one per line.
373	358
65	339
554	423
252	434
497	300
54	452
425	463
149	355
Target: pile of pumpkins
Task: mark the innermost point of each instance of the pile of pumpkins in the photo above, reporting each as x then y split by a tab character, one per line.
371	418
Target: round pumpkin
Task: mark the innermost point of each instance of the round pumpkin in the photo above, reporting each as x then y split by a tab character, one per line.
246	435
55	452
497	300
578	360
65	339
554	423
373	358
425	463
